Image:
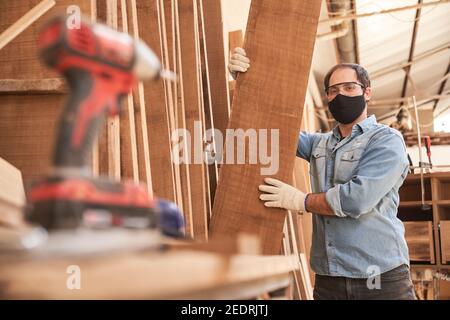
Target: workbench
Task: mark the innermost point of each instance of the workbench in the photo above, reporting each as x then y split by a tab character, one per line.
148	275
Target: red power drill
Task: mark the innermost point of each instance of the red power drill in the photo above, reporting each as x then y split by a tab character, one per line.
101	67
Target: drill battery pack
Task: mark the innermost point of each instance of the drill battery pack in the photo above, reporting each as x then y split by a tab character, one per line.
68	203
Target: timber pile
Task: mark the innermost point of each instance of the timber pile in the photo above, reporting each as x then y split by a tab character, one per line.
187	36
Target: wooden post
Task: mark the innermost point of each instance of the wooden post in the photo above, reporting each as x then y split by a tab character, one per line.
128	143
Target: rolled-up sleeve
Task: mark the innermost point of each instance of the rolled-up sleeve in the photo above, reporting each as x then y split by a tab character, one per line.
382	164
305	144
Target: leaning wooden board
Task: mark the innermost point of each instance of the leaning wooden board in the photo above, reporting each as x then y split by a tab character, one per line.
279	41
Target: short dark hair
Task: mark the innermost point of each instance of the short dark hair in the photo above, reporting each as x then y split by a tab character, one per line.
361	73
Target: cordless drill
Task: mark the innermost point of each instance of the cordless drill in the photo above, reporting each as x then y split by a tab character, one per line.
101	67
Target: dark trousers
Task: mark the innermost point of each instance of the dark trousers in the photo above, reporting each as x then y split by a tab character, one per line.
395	284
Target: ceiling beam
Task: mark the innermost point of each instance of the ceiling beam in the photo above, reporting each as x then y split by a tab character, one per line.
411	50
441	88
355	33
369	14
403	65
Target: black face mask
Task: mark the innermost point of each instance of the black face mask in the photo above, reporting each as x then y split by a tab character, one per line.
347	109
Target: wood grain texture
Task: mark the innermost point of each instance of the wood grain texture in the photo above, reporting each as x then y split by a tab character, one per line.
27	131
18	59
33	86
149	275
12	195
168	23
267	98
25	21
192	106
419	237
445	240
128	142
215	59
235	39
156	112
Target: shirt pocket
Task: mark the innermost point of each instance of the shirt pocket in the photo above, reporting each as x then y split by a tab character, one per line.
318	162
349	162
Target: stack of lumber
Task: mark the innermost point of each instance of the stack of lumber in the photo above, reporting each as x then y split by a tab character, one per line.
187	36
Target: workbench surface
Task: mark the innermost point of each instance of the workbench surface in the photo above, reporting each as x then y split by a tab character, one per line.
147	275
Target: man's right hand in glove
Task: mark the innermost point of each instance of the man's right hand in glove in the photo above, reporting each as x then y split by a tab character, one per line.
238	62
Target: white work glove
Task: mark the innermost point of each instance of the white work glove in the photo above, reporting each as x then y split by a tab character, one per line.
238	62
282	195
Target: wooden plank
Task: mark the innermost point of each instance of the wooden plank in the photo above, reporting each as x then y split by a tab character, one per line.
215	59
169	60
128	145
25	21
176	92
12	195
294	292
158	129
33	86
304	220
436	216
95	148
304	277
142	129
262	104
190	80
235	39
419	237
113	123
445	240
212	174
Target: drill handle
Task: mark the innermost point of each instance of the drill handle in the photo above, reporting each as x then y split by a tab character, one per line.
84	113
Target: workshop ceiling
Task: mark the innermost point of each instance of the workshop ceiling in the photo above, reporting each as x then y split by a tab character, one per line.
383	42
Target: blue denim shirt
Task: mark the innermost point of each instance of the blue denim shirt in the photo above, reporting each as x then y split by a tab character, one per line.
361	175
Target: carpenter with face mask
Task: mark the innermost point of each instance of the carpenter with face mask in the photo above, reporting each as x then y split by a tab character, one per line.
358	246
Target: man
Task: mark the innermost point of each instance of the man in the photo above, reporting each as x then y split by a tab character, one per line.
358	245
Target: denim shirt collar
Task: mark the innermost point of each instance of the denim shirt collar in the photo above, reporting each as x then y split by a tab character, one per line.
364	125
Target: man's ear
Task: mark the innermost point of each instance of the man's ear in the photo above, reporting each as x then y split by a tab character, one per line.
368	94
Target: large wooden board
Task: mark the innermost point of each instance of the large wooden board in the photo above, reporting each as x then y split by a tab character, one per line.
281	34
